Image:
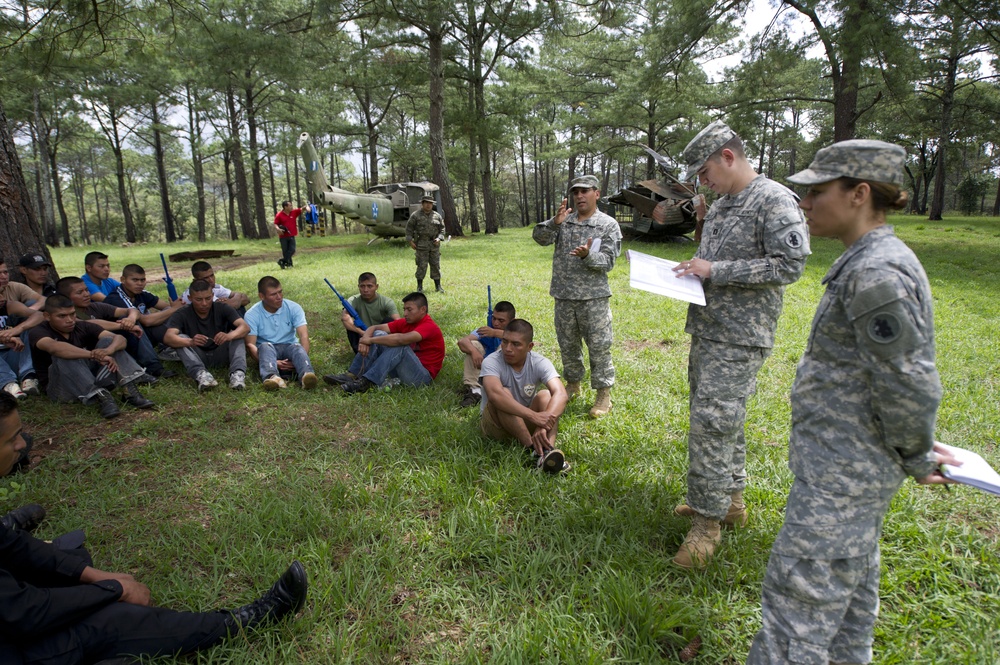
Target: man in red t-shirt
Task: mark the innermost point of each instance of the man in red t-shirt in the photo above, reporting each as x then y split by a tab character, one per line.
410	349
287	230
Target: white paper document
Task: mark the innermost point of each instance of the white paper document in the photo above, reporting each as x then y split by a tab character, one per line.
595	245
656	275
975	471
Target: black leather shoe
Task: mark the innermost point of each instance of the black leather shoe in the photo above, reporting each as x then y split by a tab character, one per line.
106	404
135	398
25	518
360	385
339	379
147	379
286	597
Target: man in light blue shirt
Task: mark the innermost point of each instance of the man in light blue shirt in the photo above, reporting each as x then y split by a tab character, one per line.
279	338
97	276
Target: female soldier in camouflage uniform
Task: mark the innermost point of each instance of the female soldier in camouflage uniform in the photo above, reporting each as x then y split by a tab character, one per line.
863	407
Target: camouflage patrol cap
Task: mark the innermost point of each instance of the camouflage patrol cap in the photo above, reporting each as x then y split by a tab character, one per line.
428	197
859	158
585	182
704	145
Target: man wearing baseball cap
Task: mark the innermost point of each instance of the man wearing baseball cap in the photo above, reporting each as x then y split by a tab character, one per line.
587	243
424	232
35	270
753	243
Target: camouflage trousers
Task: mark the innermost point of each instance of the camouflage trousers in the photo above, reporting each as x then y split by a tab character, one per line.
427	255
589	321
817	611
721	377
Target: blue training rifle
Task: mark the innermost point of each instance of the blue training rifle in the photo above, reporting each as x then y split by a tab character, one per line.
350	310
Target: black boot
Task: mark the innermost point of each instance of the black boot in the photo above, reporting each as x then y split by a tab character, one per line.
286	597
106	404
437	286
25	518
420	285
360	385
135	398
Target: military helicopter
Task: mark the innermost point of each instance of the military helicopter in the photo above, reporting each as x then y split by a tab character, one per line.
661	209
384	209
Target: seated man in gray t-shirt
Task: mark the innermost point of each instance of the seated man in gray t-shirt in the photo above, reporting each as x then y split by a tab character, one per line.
513	406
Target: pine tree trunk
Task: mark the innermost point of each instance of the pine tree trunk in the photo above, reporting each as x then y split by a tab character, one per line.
439	162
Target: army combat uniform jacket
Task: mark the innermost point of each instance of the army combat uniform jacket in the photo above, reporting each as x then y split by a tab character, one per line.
423	229
864	401
574	278
757	243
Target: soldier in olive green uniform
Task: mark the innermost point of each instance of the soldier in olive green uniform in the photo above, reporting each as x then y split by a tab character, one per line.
424	232
864	401
753	243
580	287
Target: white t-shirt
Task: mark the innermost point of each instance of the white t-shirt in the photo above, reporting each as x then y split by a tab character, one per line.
537	369
219	292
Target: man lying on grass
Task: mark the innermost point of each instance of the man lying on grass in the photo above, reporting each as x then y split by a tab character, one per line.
512	405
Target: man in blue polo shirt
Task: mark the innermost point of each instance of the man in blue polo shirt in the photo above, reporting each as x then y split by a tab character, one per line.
97	276
279	338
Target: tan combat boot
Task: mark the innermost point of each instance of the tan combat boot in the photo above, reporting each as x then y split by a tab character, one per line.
573	389
736	516
602	404
699	545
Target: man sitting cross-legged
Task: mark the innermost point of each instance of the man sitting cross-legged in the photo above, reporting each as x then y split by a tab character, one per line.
410	349
513	406
79	361
478	344
120	320
371	306
209	334
279	337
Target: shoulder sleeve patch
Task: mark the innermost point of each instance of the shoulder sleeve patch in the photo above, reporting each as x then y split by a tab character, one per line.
889	331
875	297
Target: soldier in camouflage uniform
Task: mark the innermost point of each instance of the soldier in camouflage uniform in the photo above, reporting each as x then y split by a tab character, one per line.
424	232
753	243
863	407
580	287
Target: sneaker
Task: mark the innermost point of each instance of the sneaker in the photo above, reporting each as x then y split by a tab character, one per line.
284	598
25	518
471	399
168	354
238	380
168	374
15	390
30	386
205	381
106	404
360	385
274	382
553	461
339	379
309	380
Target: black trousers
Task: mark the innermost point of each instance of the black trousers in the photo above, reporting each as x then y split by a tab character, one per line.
120	629
124	629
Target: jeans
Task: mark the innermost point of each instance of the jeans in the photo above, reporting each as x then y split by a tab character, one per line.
141	348
80	379
15	365
383	362
269	354
196	359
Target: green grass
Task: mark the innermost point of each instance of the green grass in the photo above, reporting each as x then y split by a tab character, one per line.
426	543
